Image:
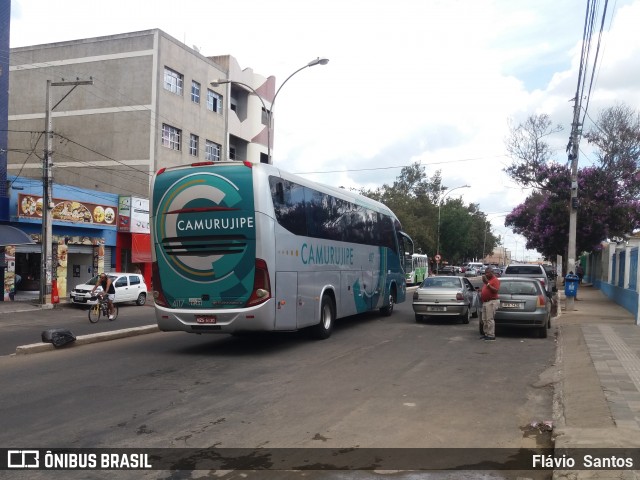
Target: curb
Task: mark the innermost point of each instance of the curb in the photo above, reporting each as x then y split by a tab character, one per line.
88	339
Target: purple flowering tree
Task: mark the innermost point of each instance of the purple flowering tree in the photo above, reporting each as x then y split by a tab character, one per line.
607	192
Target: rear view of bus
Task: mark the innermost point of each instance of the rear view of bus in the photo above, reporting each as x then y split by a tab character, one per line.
207	276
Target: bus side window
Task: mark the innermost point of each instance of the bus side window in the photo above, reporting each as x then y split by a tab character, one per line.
278	194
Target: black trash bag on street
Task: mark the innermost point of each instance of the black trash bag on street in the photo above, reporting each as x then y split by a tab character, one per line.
58	336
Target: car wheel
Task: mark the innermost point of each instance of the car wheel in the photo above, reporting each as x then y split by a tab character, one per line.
475	313
466	315
542	331
481	327
418	318
142	299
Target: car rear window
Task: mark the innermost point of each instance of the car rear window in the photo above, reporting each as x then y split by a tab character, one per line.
441	282
523	270
518	288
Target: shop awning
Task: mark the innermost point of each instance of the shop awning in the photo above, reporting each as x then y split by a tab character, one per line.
13	236
140	248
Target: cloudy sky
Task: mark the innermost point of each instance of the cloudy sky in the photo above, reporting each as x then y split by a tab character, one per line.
433	81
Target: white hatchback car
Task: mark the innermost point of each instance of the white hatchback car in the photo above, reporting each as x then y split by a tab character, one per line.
130	287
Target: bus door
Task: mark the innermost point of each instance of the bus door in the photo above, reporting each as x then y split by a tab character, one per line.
286	300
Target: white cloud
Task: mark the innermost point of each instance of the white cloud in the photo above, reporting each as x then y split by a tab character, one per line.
434	81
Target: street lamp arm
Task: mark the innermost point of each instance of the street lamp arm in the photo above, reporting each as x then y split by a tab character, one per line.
312	63
269	111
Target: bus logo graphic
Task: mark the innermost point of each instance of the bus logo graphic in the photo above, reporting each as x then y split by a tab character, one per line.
193	211
23	459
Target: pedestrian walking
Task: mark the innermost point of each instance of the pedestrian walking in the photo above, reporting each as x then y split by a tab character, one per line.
489	297
580	273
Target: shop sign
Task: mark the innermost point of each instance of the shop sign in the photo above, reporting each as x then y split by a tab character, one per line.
30	206
133	215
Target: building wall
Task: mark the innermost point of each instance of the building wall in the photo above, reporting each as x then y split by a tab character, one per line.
5	23
109	134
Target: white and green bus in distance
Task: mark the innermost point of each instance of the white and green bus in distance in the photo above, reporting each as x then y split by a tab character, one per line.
241	247
417	268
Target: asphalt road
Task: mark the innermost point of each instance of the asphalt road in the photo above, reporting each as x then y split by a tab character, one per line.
377	382
24	328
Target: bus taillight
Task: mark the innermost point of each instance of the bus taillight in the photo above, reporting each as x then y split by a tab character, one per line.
261	284
156	285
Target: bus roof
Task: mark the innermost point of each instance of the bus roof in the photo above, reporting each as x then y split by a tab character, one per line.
273	170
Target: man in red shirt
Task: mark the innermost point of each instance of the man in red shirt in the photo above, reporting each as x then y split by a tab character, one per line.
490	302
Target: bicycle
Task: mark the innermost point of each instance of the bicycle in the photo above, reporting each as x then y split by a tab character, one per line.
101	309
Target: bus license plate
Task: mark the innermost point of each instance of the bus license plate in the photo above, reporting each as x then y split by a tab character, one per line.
206	318
512	305
436	309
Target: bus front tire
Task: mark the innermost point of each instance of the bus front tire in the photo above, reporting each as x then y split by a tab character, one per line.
327	317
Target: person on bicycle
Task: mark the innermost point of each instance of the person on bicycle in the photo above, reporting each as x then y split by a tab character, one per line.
107	287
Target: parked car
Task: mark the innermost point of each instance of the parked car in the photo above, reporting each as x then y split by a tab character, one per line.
523	303
447	270
477	266
470	272
530	271
130	287
497	271
446	296
552	275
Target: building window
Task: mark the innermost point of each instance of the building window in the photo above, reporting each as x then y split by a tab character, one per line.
212	151
232	153
173	81
171	137
214	101
195	92
193	145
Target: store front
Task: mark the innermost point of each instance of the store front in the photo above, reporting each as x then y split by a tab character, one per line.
84	235
133	251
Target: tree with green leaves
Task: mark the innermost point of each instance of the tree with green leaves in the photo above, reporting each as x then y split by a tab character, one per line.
414	198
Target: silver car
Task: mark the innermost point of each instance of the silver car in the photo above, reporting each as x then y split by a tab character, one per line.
524	302
446	296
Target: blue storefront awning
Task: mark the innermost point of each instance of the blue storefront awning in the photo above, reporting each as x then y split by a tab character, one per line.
13	236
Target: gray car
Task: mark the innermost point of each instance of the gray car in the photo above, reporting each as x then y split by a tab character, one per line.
529	270
446	296
523	303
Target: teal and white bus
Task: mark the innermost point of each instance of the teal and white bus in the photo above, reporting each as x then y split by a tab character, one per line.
241	247
417	268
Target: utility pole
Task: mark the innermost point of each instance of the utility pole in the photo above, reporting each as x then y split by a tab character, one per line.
572	151
46	272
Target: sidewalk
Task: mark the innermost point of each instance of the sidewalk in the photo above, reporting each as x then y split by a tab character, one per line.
597	384
24	302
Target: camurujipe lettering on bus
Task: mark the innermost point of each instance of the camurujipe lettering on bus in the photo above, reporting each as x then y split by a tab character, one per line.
326	255
215	224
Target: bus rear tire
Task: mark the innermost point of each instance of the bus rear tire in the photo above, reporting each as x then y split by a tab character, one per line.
388	310
323	329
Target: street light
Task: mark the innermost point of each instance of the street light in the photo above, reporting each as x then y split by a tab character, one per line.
269	111
439	207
